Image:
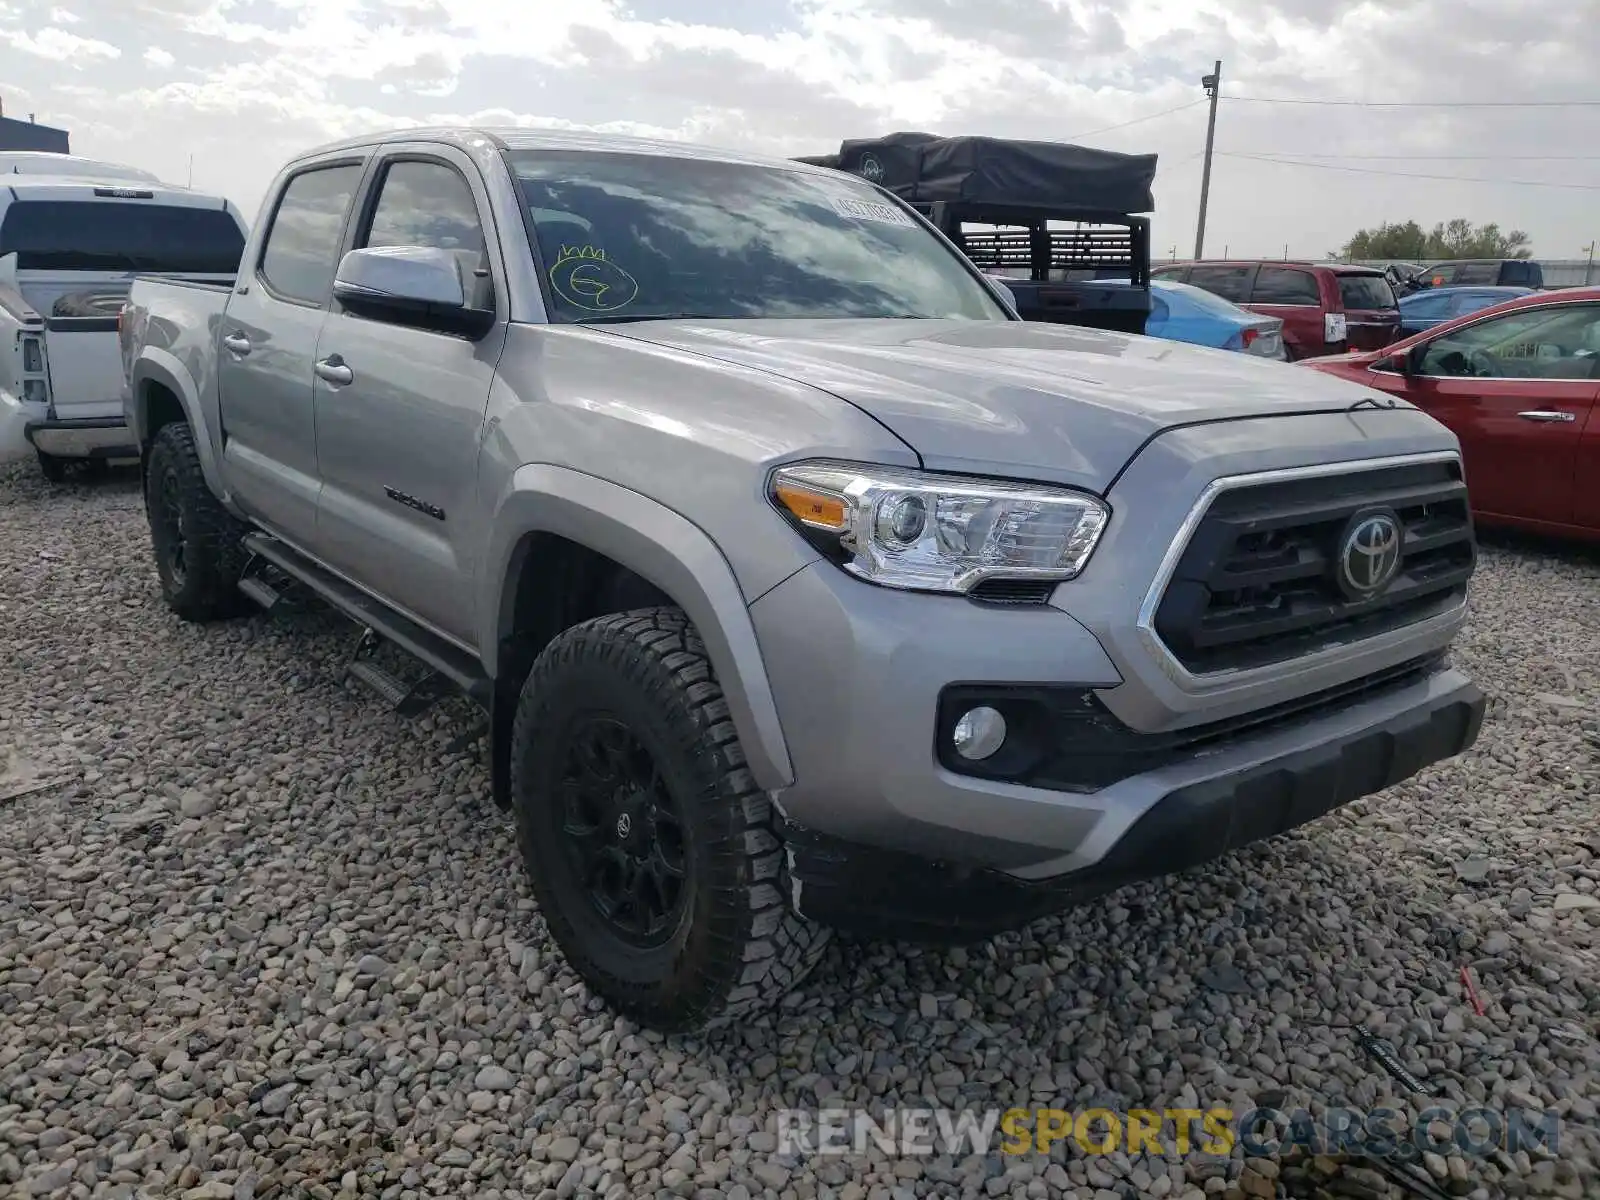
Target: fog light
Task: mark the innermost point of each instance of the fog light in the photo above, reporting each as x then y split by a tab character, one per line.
979	733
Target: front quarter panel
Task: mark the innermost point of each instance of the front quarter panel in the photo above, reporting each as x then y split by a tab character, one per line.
658	459
696	435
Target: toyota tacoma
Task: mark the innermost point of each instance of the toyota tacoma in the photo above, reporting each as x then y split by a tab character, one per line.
803	586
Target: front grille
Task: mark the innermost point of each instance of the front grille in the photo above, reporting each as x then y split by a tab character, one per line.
1258	583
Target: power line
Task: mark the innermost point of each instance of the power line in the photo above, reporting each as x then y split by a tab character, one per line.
1416	103
1430	157
1166	112
1290	162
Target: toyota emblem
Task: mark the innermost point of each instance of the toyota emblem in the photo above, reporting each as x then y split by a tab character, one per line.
1369	556
624	825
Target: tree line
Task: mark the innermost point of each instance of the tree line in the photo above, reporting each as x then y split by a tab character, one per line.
1410	242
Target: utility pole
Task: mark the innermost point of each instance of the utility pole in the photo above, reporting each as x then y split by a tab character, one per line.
1588	269
1213	86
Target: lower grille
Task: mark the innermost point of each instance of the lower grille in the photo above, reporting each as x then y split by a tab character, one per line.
1260	581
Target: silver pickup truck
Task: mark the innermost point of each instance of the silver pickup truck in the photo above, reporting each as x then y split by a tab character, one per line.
802	585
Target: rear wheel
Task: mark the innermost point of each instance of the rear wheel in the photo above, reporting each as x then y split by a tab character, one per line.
649	846
199	554
53	468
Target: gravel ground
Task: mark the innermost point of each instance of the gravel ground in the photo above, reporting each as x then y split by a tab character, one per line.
260	937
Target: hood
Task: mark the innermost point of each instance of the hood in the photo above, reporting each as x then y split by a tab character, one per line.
1015	399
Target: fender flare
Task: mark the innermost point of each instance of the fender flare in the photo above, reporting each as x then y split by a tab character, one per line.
155	365
662	547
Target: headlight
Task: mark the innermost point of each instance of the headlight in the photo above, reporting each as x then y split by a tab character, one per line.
941	533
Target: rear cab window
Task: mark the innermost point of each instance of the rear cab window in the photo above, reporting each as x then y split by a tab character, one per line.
1286	285
1365	292
301	252
121	235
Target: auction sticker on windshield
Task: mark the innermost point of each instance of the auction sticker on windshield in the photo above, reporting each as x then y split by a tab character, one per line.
865	210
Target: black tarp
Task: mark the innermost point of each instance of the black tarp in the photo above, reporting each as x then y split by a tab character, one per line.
923	168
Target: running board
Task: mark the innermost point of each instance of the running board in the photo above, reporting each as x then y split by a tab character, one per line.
452	664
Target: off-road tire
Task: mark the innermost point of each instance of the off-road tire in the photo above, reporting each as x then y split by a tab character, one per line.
52	467
206	588
739	946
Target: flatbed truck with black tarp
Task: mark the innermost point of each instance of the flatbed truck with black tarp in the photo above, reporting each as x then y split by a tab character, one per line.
1055	221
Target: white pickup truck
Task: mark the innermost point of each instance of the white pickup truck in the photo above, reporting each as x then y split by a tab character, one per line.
73	233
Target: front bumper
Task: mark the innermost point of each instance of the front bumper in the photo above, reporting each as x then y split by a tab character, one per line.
91	437
889	894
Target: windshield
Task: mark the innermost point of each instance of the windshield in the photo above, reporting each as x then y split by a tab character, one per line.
631	236
121	235
1365	291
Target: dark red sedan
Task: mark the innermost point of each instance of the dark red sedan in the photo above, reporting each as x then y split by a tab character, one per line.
1518	385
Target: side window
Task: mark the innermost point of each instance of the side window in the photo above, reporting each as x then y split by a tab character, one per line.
1441	276
1168	273
1285	285
1231	283
425	204
302	247
430	204
1467	302
1477	273
1547	343
1428	307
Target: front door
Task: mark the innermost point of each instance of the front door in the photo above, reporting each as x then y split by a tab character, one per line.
1517	390
400	409
267	343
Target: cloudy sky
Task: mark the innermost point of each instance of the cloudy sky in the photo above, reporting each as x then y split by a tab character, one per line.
240	84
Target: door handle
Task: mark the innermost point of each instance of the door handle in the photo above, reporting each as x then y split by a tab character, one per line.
236	342
332	370
1547	415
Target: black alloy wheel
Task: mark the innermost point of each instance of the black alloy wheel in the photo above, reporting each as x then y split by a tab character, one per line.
624	835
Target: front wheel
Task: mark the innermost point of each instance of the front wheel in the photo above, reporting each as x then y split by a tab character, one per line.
199	553
650	849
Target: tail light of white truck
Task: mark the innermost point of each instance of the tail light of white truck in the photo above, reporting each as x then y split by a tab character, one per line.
34	369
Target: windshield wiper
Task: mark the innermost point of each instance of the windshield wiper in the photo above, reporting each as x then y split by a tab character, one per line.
619	318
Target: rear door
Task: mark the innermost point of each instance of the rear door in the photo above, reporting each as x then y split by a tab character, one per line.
78	247
1518	390
267	344
1291	294
1371	312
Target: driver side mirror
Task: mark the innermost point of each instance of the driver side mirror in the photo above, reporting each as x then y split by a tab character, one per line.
1405	362
420	286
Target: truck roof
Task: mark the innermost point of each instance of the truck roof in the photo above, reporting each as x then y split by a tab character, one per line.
37	163
479	137
71	187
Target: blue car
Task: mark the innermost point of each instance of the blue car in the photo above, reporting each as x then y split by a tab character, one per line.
1425	309
1181	312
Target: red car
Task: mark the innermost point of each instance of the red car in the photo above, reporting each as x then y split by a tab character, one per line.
1517	384
1325	308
